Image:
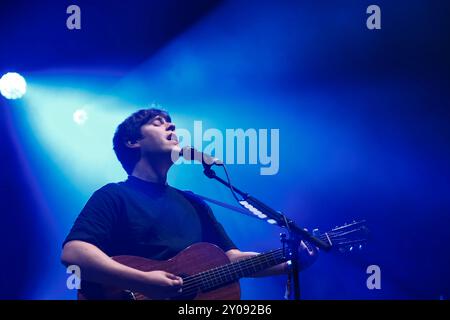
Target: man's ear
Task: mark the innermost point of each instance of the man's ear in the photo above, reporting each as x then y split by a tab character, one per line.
133	144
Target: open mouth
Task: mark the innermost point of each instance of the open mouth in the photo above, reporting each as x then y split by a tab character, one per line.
172	137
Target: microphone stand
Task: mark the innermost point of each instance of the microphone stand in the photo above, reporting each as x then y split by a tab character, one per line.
296	234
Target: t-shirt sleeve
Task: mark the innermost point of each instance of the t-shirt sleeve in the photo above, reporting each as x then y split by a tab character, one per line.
97	221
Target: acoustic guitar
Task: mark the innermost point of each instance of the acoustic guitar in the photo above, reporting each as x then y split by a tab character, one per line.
207	272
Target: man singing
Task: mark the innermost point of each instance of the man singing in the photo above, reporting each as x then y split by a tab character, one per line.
145	216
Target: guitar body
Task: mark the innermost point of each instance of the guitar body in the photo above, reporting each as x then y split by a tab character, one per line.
193	260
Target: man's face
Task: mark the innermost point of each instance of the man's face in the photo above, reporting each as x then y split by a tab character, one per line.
158	137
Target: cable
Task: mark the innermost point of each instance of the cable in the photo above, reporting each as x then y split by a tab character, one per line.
230	185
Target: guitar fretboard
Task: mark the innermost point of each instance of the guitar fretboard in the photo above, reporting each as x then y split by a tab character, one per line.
229	273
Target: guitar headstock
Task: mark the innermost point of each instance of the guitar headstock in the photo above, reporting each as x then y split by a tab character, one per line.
346	238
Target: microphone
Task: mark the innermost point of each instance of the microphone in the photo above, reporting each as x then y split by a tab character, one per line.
207	160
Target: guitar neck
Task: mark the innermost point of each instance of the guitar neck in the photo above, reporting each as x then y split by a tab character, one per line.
348	235
229	273
232	272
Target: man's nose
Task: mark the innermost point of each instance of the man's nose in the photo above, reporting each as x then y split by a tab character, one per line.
170	126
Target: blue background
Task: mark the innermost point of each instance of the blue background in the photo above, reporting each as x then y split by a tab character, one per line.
363	118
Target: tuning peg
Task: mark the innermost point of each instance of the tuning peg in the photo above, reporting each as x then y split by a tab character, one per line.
351	248
360	247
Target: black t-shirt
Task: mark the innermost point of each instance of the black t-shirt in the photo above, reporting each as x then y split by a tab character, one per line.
140	218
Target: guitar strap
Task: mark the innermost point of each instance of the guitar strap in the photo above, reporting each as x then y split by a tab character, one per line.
219	203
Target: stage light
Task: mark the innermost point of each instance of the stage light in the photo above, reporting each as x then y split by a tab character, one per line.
12	85
80	116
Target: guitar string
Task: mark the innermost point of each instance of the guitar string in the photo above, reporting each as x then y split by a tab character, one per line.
242	264
209	281
224	271
194	283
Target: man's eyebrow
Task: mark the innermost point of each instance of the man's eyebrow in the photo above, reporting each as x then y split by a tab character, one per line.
158	117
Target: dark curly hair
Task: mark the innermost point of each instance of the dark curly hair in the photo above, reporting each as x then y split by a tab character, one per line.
130	130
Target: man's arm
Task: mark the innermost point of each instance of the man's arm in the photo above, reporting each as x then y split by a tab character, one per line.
97	267
306	258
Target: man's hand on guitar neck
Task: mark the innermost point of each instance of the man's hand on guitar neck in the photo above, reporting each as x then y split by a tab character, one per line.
307	255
